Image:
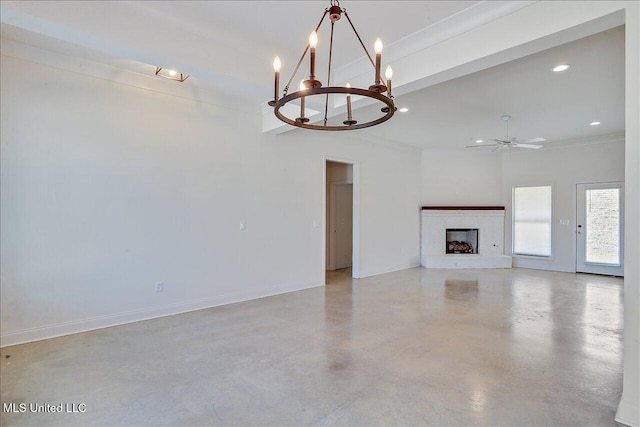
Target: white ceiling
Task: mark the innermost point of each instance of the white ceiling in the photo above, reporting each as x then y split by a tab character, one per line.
229	45
555	106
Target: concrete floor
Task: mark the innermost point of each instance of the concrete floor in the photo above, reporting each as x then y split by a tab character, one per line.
415	347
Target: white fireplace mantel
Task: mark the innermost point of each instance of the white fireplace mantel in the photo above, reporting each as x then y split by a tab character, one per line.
490	224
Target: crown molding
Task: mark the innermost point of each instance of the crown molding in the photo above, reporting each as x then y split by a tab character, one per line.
464	21
617	137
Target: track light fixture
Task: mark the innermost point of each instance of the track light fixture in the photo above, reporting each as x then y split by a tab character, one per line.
171	74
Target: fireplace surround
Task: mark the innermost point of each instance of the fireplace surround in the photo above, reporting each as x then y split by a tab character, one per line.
463	237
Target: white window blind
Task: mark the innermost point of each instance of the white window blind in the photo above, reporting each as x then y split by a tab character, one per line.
532	221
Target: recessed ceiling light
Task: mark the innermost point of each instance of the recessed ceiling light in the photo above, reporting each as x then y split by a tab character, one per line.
403	110
561	67
479	141
594	123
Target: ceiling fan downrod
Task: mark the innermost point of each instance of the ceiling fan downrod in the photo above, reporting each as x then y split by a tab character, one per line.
506	119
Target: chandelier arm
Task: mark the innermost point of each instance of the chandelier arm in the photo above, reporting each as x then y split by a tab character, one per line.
326	100
286	88
359	39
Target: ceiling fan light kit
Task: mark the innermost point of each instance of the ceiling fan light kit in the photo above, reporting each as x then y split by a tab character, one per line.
509	141
311	86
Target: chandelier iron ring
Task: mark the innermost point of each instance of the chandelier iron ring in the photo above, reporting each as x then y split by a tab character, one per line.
389	109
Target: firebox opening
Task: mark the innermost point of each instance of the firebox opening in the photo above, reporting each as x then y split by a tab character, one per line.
462	241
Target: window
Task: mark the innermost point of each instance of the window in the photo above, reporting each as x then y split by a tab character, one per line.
602	226
532	221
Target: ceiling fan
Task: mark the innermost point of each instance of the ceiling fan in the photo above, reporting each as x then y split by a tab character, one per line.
510	141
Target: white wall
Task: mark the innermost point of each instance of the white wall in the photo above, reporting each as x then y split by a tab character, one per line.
461	178
562	168
108	188
485	178
628	408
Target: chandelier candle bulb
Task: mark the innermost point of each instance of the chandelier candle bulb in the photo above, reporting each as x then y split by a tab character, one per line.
276	66
313	42
388	74
302	118
349	116
349	121
302	87
378	48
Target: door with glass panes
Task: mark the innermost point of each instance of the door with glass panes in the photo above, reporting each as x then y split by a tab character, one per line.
599	228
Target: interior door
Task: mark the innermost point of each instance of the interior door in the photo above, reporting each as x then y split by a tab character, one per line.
341	226
600	222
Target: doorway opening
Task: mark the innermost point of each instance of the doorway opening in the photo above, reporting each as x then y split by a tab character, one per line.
340	240
600	228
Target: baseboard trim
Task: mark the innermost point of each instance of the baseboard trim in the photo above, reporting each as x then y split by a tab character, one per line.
106	321
518	263
364	274
628	413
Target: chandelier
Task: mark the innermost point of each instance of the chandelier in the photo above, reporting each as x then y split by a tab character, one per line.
311	87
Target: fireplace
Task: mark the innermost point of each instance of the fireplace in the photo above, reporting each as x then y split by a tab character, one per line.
461	241
463	237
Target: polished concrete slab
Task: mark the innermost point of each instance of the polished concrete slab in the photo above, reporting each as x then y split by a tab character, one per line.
416	347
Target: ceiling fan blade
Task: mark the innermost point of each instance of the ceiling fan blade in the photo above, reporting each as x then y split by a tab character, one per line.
526	141
483	145
518	145
510	141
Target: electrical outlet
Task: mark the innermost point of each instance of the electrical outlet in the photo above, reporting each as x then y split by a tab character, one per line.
159	286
